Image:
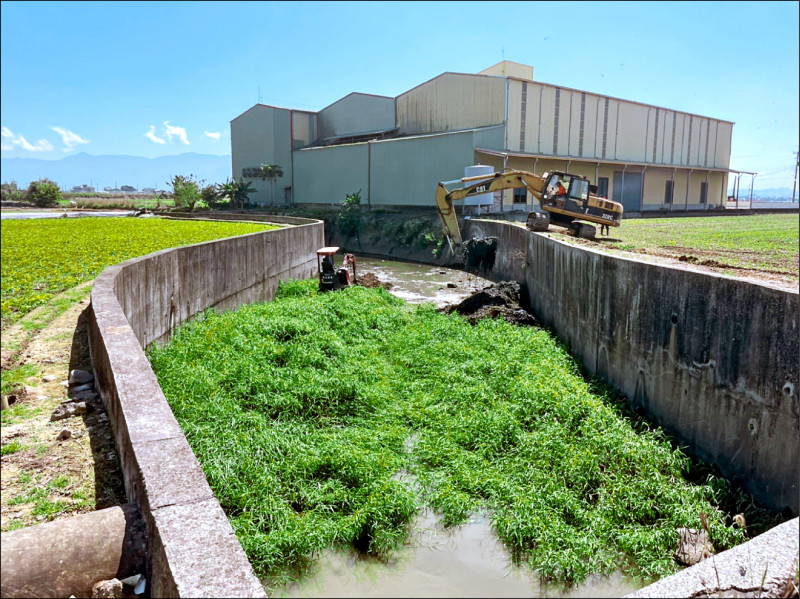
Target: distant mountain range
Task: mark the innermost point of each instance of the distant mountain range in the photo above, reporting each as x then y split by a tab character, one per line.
116	171
774	194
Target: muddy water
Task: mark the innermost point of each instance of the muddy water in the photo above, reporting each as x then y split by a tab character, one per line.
418	283
463	561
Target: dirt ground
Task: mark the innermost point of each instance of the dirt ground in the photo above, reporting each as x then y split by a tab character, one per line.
46	478
707	261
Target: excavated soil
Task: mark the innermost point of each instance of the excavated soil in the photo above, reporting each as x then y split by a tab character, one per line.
501	300
370	279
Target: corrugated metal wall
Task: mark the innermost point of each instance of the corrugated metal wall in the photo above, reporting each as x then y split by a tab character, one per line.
304	128
546	119
452	102
262	136
357	113
327	175
402	172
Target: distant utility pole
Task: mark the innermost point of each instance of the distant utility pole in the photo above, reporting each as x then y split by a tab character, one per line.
796	165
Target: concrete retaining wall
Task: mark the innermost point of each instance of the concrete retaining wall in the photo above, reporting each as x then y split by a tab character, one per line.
711	358
192	549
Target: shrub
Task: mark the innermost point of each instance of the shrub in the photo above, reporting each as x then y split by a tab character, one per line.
185	191
10	192
43	193
211	195
349	220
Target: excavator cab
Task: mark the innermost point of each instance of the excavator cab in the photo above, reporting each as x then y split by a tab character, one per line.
332	277
566	192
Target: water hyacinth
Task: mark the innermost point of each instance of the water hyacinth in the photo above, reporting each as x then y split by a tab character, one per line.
304	411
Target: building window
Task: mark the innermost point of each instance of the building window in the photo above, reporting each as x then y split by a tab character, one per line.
520	195
602	187
703	192
668	191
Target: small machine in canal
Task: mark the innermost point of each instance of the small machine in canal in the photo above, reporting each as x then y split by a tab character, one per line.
332	277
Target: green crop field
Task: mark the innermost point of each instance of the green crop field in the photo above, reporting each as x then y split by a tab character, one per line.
43	257
765	242
330	420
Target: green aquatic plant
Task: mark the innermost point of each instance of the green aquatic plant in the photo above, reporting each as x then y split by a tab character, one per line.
308	414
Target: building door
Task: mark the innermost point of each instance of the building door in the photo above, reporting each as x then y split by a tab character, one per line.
629	192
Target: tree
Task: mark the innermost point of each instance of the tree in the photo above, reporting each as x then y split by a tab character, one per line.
237	191
349	218
270	172
43	193
185	191
10	192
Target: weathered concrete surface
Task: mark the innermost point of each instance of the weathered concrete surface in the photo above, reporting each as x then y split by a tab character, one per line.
711	358
759	568
68	556
193	551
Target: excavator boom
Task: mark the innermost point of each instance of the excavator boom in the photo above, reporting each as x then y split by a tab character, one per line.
564	197
480	184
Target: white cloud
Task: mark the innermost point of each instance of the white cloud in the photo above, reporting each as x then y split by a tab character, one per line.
6	147
178	132
69	138
18	140
213	135
151	135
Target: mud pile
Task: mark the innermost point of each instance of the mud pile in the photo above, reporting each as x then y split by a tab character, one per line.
495	301
370	279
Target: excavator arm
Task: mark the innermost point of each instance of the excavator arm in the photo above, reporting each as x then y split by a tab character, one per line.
566	207
479	185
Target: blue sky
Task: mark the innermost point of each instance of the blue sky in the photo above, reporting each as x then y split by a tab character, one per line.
157	78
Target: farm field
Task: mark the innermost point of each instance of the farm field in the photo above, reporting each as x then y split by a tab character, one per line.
41	258
762	247
47	272
329	420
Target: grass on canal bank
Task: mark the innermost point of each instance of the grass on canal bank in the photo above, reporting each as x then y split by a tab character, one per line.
329	420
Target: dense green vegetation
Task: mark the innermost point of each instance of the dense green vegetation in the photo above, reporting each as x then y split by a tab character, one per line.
43	257
329	420
762	241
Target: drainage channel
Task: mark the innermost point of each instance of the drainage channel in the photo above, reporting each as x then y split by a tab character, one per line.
462	561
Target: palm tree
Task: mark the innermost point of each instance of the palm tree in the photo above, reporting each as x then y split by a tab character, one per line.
238	192
270	172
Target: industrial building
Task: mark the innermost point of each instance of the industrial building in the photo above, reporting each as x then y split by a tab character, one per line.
396	150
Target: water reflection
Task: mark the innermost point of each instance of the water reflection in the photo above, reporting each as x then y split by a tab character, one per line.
464	561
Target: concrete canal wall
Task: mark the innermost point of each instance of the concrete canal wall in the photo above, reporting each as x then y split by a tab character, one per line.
713	359
192	549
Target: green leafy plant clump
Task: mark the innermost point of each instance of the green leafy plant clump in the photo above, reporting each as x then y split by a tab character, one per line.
325	420
43	193
43	257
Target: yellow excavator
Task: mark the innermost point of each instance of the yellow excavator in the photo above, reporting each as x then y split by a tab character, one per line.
566	199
